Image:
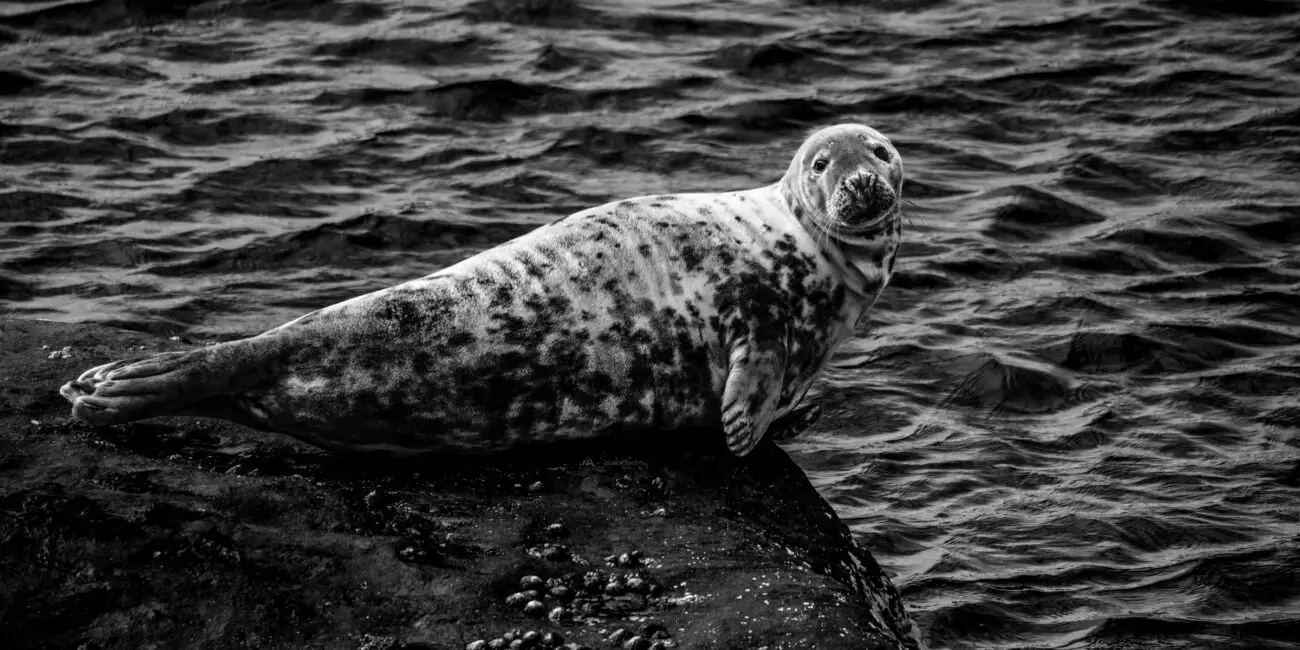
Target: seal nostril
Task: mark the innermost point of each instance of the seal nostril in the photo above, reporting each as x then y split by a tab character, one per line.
881	152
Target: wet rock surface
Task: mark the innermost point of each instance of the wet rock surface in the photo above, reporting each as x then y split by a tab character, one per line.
181	532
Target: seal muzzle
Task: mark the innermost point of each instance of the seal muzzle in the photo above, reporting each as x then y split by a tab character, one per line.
864	200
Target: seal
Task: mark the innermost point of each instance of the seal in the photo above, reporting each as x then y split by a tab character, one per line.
713	310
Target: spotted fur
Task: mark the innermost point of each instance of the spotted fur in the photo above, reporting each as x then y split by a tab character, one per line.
647	314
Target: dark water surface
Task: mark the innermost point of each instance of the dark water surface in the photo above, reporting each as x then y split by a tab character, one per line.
1073	421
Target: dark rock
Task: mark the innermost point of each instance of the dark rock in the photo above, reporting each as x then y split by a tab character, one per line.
555	553
593	582
372	642
518	599
655	631
138	534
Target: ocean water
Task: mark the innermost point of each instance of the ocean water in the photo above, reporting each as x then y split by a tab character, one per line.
1072	420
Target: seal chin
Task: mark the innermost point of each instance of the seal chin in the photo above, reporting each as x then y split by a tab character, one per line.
863	204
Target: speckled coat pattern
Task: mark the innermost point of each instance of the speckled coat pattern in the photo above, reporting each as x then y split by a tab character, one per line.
641	315
621	316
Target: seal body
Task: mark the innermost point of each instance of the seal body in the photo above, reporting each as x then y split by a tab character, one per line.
647	314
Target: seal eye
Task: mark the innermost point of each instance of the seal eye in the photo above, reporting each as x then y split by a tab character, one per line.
881	152
819	165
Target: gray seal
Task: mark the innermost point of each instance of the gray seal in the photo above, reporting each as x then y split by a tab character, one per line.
646	314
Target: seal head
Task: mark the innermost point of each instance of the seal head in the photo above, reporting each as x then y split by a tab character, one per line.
845	187
847	180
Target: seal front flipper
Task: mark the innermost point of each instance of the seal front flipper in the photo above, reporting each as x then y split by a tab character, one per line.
752	390
163	383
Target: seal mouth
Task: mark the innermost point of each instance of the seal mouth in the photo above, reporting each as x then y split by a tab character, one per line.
864	202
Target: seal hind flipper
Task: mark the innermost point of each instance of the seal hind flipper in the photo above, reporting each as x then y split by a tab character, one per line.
751	393
162	383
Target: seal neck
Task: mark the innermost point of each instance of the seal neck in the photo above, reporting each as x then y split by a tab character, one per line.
863	284
863	287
